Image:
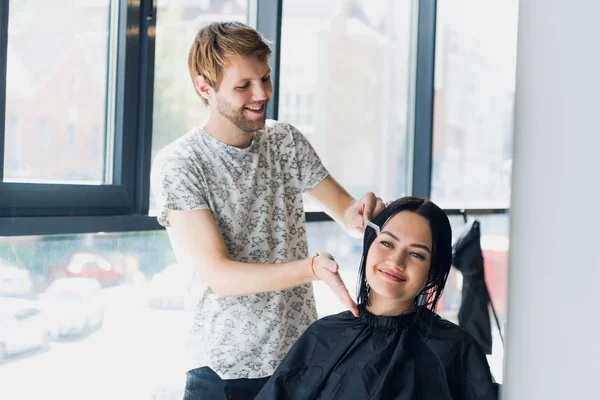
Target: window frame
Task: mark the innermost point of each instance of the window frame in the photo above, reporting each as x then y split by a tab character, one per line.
420	103
133	94
269	15
3	69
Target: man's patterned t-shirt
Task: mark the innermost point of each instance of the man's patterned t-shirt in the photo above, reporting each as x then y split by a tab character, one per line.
255	196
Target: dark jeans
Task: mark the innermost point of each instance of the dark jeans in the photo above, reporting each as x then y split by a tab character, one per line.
204	383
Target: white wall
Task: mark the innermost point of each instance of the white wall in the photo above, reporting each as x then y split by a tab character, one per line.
553	332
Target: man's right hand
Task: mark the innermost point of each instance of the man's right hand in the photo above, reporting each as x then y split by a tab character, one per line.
326	269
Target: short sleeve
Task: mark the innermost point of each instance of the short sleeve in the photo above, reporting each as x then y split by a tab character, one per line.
311	169
176	187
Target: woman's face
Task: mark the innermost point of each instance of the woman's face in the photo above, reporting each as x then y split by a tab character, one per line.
399	259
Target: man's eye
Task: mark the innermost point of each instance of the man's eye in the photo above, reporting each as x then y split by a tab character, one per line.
266	78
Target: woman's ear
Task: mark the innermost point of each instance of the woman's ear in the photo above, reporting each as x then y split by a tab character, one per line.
202	87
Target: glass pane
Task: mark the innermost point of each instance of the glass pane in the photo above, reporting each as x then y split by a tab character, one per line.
177	107
344	84
59	68
473	107
78	309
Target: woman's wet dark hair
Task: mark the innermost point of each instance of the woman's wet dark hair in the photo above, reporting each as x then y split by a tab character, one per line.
441	254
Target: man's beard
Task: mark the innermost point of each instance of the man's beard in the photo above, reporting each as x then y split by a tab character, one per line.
237	117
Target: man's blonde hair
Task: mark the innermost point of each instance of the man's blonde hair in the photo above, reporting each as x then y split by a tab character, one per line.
219	40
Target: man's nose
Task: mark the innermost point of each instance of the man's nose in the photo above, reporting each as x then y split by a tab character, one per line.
266	89
260	92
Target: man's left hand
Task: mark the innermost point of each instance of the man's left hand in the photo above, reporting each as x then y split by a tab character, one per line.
367	207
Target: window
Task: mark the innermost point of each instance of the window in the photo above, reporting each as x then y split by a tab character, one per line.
494	245
474	87
344	84
177	107
473	104
107	301
101	304
66	76
51	45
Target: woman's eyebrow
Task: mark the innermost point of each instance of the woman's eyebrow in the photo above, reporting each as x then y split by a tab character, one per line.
420	246
391	234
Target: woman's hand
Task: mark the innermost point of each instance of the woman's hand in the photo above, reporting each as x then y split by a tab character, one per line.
326	269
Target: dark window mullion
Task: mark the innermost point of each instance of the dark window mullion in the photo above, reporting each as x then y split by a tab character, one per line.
268	23
30	199
146	107
134	103
423	99
60	225
127	95
3	71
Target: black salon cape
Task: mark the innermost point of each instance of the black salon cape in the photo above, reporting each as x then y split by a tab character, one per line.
372	357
